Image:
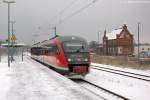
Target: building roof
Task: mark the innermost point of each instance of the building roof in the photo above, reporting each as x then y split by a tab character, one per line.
71	38
113	34
16	44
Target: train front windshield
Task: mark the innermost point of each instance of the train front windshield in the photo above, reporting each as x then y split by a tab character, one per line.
75	46
76	52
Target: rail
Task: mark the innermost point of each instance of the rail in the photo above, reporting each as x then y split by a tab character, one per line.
123	73
104	89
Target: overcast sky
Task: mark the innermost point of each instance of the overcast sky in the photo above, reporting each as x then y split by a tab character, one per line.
35	18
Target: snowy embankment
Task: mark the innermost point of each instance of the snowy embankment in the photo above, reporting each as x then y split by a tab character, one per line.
131	88
30	80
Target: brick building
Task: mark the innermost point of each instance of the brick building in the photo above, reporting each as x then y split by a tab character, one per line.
118	42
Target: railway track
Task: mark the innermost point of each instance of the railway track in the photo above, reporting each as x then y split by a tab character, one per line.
104	95
100	91
123	73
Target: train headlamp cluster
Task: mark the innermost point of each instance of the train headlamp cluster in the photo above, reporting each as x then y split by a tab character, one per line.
85	59
77	59
69	59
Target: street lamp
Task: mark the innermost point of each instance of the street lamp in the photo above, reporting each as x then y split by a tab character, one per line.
138	40
54	28
12	40
8	2
98	37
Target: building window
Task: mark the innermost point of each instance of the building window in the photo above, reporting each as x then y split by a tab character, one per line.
142	48
120	50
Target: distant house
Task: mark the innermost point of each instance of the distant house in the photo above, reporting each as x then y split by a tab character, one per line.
144	50
118	42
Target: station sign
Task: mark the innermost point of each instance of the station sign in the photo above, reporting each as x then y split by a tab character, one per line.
13	37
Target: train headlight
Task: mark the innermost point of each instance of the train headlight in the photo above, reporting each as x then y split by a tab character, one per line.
69	59
85	59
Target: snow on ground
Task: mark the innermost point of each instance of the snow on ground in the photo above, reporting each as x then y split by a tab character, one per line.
131	88
4	80
30	80
143	72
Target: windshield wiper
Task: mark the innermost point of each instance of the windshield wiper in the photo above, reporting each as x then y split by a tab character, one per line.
78	50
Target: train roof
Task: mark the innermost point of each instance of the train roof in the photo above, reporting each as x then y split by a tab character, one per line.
61	38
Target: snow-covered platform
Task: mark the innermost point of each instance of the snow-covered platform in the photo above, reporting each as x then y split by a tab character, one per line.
29	80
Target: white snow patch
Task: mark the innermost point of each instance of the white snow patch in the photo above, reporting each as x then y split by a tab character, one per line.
131	88
29	80
143	72
4	81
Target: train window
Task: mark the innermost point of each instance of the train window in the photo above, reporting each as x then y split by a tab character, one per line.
75	46
45	51
52	49
36	51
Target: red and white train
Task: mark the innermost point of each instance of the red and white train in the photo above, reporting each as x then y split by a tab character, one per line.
68	55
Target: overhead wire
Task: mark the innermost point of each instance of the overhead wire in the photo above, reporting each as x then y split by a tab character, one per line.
70	15
64	9
76	12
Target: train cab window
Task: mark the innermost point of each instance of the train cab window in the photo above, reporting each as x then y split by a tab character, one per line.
75	46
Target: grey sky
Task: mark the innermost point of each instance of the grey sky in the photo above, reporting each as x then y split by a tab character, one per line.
34	18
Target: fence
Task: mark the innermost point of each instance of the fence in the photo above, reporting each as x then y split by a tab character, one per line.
123	61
